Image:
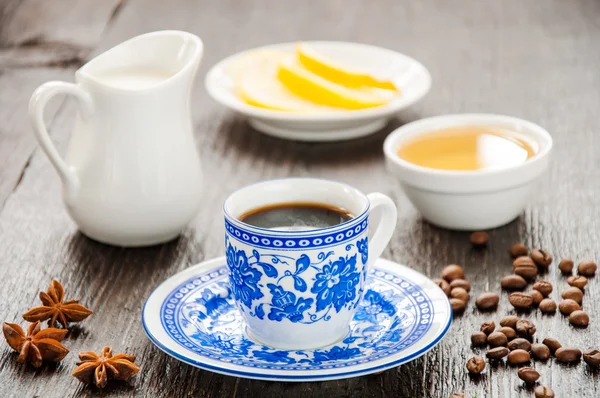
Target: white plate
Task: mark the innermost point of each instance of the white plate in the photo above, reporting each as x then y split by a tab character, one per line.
193	318
408	74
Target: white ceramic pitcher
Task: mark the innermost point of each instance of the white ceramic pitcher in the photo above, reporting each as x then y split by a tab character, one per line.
132	174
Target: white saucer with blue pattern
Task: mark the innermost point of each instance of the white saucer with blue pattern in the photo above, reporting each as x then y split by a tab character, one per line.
192	317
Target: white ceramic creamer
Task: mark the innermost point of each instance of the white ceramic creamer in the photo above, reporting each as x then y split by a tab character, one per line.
132	174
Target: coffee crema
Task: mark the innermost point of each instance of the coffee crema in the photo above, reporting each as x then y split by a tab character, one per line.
468	148
296	216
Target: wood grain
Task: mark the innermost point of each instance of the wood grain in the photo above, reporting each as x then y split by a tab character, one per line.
537	59
39	41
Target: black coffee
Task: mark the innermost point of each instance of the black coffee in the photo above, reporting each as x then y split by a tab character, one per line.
296	216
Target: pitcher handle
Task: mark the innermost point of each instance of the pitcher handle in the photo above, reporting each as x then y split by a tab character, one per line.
384	224
37	104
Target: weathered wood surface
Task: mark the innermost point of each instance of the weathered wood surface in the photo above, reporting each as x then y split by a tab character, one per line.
539	60
39	41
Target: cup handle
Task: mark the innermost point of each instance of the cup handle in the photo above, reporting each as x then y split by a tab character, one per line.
37	104
384	224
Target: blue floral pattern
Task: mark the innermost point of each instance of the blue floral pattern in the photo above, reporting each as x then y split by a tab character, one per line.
336	284
285	305
237	345
375	304
244	279
273	356
335	354
292	280
212	305
393	315
363	248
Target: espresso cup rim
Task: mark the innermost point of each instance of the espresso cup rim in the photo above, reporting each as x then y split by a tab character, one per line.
233	219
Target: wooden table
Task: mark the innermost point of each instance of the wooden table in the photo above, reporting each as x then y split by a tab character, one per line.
539	60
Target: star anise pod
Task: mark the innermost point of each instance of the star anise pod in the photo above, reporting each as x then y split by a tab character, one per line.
38	345
98	369
56	309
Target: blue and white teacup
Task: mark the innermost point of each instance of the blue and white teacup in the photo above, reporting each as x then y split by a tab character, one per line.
299	289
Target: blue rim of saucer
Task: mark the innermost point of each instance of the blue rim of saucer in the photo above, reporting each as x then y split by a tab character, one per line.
359	369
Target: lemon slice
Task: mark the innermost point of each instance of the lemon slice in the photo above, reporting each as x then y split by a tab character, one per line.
328	69
319	90
256	83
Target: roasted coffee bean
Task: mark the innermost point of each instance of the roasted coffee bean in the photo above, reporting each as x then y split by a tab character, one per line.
522	260
566	265
567	306
476	365
478	339
552	344
573	293
536	296
457	305
543	287
579	318
510	321
547	306
513	282
525	267
517	357
529	272
520	300
479	238
461	283
518	250
519	344
497	339
525	328
578	281
541	257
540	351
488	327
497	353
528	375
443	285
452	272
508	332
587	268
460	293
592	357
568	354
543	392
487	301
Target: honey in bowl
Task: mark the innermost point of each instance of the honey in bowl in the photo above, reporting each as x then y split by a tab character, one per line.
468	148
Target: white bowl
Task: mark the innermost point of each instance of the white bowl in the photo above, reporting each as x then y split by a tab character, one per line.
410	75
469	200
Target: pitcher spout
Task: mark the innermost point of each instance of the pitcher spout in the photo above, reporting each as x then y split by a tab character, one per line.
154	58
